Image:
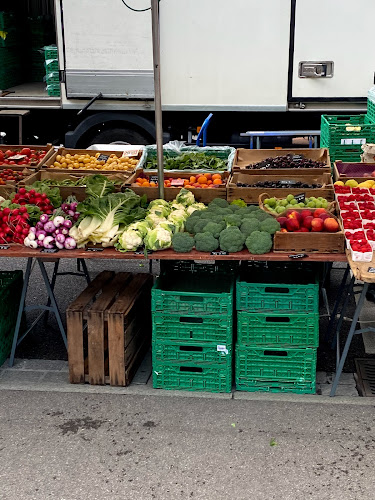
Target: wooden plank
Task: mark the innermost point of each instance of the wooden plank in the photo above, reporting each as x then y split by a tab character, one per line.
137	360
95	332
90	291
74	323
108	295
140	336
116	349
129	295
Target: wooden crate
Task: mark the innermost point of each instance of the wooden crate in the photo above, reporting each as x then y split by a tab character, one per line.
48	149
251	194
78	191
200	194
246	157
108	328
343	171
309	242
64	151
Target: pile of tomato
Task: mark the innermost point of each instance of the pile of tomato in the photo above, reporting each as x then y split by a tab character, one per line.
30	157
8	175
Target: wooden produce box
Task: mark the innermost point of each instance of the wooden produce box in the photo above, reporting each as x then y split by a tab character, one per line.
48	149
343	171
309	242
109	329
246	157
203	195
78	191
6	190
251	194
64	151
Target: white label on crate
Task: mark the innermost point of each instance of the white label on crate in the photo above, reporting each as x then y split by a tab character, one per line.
351	142
222	348
130	152
17	157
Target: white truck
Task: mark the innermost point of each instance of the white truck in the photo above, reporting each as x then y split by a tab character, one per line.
270	64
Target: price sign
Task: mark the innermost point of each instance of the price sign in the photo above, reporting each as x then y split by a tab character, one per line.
219	252
4	247
49	250
297	256
287	183
130	152
371	270
300	197
154	178
17	157
94	249
177	182
103	157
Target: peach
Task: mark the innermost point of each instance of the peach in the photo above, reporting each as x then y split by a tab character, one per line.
282	221
331	225
317	224
319	211
292	224
306	213
307	221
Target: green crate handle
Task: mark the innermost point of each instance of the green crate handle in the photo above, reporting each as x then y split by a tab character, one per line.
191	348
191	299
344	117
192	369
188	319
276	353
277	319
276	290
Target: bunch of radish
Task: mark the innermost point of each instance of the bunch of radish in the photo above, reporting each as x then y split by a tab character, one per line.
51	232
14	225
32	197
70	208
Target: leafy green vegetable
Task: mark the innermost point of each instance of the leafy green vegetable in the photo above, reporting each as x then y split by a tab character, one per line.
98	186
53	193
189	161
239	203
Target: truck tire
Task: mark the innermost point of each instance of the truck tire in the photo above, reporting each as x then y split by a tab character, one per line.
119	134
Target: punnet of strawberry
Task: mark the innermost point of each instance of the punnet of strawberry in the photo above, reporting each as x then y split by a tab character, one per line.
361	246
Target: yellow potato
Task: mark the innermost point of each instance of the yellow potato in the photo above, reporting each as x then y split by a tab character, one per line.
58	157
57	164
64	164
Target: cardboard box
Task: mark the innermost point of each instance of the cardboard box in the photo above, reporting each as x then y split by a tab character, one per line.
78	191
251	194
246	157
201	194
64	151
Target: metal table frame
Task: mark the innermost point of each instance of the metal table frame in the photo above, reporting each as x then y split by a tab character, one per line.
312	134
51	305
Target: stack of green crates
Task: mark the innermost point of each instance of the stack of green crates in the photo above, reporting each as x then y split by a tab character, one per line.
277	329
52	70
344	143
371	105
10	294
10	51
192	330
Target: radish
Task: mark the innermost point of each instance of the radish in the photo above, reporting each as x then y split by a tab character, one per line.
49	227
39	225
70	243
31	236
48	242
44	218
68	223
60	238
60	246
33	230
33	244
58	220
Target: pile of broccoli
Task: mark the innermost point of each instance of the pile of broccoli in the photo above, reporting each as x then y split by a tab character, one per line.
228	227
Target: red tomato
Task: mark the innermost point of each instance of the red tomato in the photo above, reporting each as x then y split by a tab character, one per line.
25	151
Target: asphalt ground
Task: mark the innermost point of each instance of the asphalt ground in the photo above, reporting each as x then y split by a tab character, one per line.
98	447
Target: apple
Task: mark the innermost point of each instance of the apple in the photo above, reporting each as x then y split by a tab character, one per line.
282	221
292	214
317	224
324	216
307	222
331	225
319	211
305	213
292	224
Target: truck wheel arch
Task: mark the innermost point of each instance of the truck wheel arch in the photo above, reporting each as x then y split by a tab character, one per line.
130	121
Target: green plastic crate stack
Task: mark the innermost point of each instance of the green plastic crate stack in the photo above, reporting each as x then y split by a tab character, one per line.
10	294
10	54
41	33
52	70
345	134
277	329
371	105
192	330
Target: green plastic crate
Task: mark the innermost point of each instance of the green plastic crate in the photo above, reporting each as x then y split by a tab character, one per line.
50	52
191	266
217	329
181	294
9	57
333	130
371	110
286	330
281	291
7	20
192	378
10	38
275	369
10	294
53	90
51	65
204	353
53	77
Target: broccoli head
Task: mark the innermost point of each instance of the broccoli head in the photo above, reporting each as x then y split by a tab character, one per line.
205	242
234	208
214	228
270	226
233	220
231	240
249	225
182	242
218	202
190	223
262	215
259	242
206	215
199	225
246	210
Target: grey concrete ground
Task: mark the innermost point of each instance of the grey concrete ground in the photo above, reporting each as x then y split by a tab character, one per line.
99	447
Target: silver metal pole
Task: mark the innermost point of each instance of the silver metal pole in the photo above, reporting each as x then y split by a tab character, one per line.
158	112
